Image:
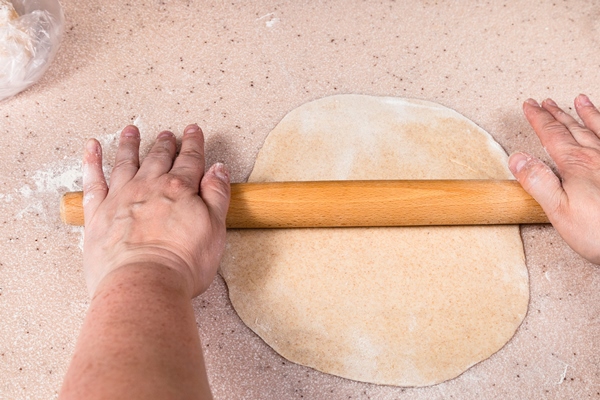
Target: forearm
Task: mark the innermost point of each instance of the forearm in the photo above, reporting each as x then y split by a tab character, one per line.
139	340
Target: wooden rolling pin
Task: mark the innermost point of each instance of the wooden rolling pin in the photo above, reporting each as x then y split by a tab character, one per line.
366	203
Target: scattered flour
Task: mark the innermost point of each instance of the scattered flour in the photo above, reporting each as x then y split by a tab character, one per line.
58	178
563	376
272	19
6	197
271	22
41	194
48	184
80	230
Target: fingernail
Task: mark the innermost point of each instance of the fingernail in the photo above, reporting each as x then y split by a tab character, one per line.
92	146
521	160
532	102
520	164
551	102
221	172
585	101
130	131
165	134
192	128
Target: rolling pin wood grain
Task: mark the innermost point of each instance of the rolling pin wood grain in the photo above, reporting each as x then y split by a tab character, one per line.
367	203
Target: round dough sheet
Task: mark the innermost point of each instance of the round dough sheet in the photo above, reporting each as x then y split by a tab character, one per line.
396	306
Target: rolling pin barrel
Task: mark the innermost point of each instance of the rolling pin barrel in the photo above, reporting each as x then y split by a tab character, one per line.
367	203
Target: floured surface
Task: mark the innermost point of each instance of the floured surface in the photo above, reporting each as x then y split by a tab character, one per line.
398	306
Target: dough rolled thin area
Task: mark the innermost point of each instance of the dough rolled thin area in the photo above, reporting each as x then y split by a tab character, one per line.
395	306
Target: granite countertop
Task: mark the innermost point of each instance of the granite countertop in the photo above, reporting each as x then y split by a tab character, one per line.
236	68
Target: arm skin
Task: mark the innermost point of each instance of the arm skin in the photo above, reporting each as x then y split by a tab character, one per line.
139	340
152	243
571	201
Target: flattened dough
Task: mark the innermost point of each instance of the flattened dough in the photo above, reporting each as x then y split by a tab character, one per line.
395	306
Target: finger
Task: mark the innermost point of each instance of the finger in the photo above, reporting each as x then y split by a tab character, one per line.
95	188
215	190
582	135
127	160
189	164
555	137
160	158
539	181
588	113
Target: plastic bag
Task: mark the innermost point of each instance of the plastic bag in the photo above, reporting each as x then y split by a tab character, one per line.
28	43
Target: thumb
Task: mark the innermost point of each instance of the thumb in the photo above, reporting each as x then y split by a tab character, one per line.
539	181
216	191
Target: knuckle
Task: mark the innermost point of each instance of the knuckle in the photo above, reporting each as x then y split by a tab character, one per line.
192	156
192	153
125	163
220	188
590	111
159	155
163	147
591	117
534	169
535	172
554	127
577	129
187	171
223	188
97	186
175	184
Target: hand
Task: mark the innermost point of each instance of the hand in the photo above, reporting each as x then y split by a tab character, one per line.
166	212
572	202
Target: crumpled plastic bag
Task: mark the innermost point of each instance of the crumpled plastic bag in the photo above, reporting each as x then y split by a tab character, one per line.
28	43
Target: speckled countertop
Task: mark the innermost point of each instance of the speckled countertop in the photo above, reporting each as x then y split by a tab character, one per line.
236	68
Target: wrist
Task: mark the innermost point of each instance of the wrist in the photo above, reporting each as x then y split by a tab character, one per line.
145	276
